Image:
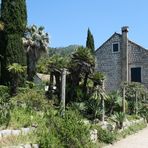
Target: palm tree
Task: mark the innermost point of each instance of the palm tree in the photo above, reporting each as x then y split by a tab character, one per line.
81	66
56	63
36	43
15	70
97	98
134	91
114	102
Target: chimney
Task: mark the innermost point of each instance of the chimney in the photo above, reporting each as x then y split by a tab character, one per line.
124	53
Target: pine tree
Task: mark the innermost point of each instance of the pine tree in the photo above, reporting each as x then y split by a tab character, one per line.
90	41
14	17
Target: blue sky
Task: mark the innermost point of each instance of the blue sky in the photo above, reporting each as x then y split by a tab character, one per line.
67	21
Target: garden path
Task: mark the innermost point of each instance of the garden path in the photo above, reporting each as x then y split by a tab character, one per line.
138	140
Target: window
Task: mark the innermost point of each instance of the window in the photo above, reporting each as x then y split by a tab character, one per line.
136	74
115	47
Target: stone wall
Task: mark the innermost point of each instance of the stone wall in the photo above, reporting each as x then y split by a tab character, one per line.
138	57
110	63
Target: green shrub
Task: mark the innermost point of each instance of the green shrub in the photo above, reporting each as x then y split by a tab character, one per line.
21	117
133	117
119	118
105	136
3	90
5	107
31	99
68	131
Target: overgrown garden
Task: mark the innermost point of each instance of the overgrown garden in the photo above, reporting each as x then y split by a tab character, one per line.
74	106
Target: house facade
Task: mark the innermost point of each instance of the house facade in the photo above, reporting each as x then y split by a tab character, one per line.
121	60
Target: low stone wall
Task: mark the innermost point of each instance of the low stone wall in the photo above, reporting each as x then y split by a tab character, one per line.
24	146
9	132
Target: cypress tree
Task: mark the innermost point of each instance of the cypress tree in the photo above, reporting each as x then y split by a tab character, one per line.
90	41
14	17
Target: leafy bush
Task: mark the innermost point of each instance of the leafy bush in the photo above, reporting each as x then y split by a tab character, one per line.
105	136
119	118
68	131
143	111
5	107
31	99
21	117
133	117
3	90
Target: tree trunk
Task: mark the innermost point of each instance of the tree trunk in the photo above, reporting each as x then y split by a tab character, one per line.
58	84
14	84
84	85
31	65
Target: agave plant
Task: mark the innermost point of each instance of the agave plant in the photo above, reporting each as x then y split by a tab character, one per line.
81	66
114	102
36	43
97	99
119	118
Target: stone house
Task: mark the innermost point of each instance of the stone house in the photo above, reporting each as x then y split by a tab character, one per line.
120	59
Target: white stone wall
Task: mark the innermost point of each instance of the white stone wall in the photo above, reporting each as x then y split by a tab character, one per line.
110	63
138	57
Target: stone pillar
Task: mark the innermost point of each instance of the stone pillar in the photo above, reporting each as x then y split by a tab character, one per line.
124	53
63	90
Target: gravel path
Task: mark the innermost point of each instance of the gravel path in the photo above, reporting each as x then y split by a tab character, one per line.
138	140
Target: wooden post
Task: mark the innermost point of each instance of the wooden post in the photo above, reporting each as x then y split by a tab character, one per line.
103	105
123	100
136	102
63	90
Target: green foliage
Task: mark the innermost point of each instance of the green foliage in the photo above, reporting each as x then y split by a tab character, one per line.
134	90
95	101
14	53
63	51
69	131
31	100
98	78
5	108
143	111
132	117
83	55
105	136
119	118
16	68
3	90
22	117
90	41
42	65
114	102
35	42
57	62
14	15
